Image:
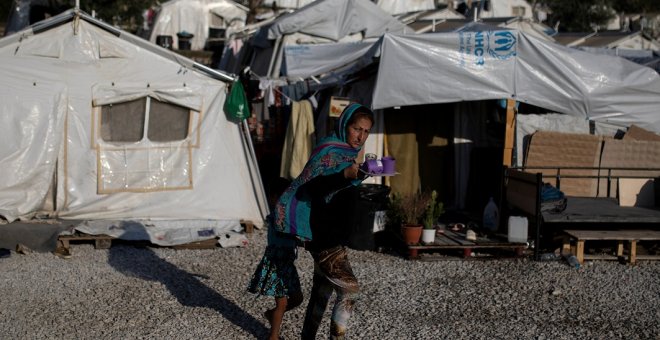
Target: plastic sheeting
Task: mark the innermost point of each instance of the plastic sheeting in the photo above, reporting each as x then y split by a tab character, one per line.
303	61
162	233
494	64
51	126
32	120
335	19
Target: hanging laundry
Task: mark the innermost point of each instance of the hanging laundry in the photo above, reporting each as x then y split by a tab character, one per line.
296	91
298	141
266	87
235	46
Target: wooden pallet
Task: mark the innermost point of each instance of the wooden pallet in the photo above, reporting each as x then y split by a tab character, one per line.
248	226
631	237
456	240
100	241
205	244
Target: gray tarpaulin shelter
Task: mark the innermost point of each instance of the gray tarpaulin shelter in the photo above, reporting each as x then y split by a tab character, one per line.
341	33
323	21
482	63
103	126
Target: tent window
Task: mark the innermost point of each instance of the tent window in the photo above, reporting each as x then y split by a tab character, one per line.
167	122
123	122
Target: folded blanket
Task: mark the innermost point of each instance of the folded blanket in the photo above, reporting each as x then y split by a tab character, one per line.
552	199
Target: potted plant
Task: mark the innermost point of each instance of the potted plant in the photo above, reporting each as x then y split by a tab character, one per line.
434	210
407	210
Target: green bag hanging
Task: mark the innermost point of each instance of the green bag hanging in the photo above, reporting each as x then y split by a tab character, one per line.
236	104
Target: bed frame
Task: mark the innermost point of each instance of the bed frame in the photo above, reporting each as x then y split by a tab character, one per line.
522	194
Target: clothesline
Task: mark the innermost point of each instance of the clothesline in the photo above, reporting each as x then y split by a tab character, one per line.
255	76
259	78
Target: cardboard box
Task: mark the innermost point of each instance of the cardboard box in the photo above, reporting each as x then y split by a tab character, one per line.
636	192
337	105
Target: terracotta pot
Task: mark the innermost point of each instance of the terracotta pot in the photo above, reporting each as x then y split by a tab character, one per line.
411	233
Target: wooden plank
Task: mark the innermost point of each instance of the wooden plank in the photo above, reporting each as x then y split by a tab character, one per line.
619	248
633	252
648	257
580	251
248	226
458	238
509	132
204	244
623	235
442	240
613	257
475	246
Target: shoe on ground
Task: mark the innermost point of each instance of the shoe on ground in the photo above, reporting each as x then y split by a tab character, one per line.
334	265
62	252
22	249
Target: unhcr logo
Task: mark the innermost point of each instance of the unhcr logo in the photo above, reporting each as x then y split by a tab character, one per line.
479	47
501	45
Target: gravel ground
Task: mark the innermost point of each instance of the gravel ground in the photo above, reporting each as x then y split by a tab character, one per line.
129	292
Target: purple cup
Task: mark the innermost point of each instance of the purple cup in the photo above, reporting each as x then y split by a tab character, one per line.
388	165
374	167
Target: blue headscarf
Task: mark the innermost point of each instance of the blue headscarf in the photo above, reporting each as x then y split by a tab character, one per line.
332	155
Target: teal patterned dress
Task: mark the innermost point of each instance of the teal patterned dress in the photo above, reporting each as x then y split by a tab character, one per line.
276	274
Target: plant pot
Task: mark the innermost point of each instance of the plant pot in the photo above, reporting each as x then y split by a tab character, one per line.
428	236
411	233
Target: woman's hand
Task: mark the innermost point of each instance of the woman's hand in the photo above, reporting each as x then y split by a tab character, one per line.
351	172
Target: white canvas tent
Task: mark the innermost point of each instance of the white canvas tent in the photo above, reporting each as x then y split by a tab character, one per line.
103	126
197	17
506	8
396	7
497	64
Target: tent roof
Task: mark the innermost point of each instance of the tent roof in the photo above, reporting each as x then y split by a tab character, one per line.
335	19
425	69
69	15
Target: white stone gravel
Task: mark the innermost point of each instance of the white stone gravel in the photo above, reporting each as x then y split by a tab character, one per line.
129	292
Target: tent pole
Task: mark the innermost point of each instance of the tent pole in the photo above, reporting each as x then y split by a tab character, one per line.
509	132
263	200
274	58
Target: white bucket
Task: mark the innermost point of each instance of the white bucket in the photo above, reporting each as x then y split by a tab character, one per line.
428	236
517	229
